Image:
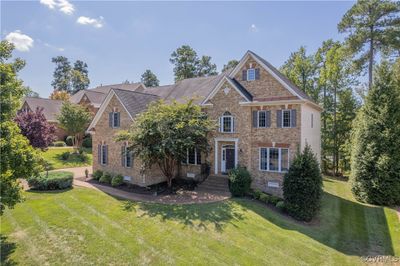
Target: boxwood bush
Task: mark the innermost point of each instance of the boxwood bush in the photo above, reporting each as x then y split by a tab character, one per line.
117	180
54	181
302	186
105	178
240	181
97	174
68	140
59	144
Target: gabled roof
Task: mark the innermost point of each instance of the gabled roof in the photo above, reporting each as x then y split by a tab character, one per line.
236	85
275	73
98	94
132	101
51	108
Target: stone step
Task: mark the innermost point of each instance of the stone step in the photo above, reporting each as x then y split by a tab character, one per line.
219	184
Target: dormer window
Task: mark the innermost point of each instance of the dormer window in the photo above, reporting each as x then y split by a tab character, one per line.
226	123
251	74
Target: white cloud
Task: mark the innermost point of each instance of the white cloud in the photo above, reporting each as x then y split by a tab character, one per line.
60	49
62	5
21	41
97	23
253	28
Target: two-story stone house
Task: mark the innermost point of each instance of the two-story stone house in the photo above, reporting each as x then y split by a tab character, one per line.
263	120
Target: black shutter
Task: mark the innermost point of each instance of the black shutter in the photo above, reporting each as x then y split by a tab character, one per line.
257	73
110	119
293	118
268	119
99	153
244	75
122	156
278	118
119	119
255	118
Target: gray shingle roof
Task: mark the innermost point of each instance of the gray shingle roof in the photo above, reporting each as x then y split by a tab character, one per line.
51	108
135	102
197	88
242	89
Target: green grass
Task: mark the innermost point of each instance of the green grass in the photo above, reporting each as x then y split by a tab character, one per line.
53	156
83	226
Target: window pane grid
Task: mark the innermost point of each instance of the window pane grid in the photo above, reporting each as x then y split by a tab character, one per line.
262	118
286	118
251	74
274	159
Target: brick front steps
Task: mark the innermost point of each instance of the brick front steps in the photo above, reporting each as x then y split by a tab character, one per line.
215	184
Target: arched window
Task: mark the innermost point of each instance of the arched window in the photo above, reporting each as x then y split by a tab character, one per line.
227	123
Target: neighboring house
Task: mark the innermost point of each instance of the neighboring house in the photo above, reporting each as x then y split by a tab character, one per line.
51	109
263	120
92	98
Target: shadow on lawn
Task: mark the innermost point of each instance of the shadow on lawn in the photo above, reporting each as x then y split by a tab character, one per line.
193	215
6	249
349	227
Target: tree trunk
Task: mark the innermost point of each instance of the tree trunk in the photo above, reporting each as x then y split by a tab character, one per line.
335	149
371	58
167	166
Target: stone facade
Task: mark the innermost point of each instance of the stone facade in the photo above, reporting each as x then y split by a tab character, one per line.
247	140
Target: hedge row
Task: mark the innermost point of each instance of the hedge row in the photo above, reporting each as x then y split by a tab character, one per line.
52	181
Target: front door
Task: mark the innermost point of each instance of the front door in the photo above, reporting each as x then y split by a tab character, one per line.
228	158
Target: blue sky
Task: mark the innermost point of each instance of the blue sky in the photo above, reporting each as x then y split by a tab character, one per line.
119	40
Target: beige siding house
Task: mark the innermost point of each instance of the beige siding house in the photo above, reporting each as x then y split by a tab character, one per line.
263	120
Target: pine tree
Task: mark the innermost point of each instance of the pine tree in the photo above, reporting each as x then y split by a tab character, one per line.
375	158
80	76
373	26
149	79
185	62
205	68
230	65
62	74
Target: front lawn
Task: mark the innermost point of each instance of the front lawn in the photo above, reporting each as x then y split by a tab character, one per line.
83	226
54	156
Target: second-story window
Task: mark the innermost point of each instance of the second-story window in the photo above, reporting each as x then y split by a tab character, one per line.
251	74
286	118
227	123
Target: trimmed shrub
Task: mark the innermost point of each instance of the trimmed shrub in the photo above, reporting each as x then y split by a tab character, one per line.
117	180
240	181
264	197
97	174
68	140
65	155
257	193
105	178
54	181
59	144
274	199
87	142
280	205
302	186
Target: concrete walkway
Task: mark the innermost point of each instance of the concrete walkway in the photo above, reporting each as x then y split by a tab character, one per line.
181	197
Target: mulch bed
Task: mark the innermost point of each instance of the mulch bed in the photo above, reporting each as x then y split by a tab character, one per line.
157	189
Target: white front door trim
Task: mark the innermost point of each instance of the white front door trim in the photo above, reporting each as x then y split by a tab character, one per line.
216	140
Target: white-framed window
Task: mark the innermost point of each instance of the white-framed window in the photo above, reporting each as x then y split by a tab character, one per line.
262	118
103	154
193	156
128	157
286	118
274	159
251	74
114	119
227	123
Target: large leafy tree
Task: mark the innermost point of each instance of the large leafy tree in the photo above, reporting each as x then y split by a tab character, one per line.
17	158
300	68
149	79
163	134
375	158
372	26
59	95
80	76
74	119
230	65
62	74
205	67
35	127
188	65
